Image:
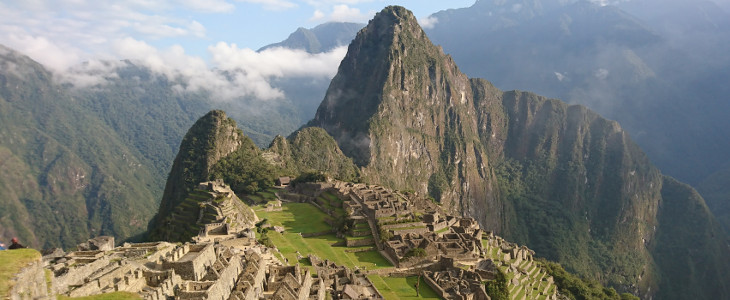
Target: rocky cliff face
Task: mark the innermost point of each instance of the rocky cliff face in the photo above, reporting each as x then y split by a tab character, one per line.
561	179
211	138
402	110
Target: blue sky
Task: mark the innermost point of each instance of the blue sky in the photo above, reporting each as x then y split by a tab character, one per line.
63	33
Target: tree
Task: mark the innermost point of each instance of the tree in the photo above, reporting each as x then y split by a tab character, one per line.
497	289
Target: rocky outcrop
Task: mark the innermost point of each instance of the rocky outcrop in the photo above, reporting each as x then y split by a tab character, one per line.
30	281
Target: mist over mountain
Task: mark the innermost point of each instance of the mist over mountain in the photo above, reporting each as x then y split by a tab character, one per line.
148	108
319	39
656	67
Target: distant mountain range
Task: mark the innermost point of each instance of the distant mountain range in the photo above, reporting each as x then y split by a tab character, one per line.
657	67
319	39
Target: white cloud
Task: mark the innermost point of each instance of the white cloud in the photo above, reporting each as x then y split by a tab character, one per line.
601	73
43	50
276	62
63	33
233	72
91	73
344	13
318	15
272	4
428	22
212	6
338	13
318	3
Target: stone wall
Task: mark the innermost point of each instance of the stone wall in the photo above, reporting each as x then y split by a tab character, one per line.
193	265
219	289
162	284
359	242
413	230
30	283
436	288
400	225
108	279
306	286
74	275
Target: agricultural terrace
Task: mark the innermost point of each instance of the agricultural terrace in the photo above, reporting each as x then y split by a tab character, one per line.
262	197
402	287
305	218
533	274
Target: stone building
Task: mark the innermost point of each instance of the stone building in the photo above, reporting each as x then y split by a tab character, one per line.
161	271
343	282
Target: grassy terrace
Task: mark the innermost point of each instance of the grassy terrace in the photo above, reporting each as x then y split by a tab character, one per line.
355	238
11	262
306	218
109	296
263	196
331	202
402	287
362	226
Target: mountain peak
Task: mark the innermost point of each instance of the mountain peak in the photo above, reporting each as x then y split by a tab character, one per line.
392	53
210	139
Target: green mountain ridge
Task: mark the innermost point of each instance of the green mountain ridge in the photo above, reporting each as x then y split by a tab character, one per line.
311	149
69	176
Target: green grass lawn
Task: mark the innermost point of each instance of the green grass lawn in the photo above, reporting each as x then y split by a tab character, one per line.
402	287
323	247
362	226
109	296
331	197
306	218
297	217
357	238
11	262
331	202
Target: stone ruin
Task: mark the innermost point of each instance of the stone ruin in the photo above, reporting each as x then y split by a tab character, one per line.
189	271
451	282
211	210
103	243
438	236
344	282
225	264
446	241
